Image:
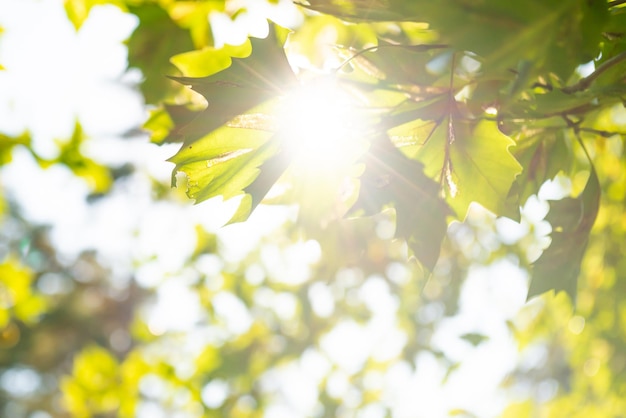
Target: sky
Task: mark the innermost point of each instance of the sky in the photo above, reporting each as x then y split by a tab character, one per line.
56	75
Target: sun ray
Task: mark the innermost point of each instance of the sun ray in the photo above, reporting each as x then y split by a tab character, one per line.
322	127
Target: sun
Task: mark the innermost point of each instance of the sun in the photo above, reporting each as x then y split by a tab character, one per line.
323	127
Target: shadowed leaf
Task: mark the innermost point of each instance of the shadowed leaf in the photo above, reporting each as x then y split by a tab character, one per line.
392	178
571	218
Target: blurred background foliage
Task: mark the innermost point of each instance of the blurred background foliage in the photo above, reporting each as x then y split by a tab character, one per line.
169	315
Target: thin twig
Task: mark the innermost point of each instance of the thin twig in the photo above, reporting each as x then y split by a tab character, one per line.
418	48
586	82
615	3
604	134
446	170
599	132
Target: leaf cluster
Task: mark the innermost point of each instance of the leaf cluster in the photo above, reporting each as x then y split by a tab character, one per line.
474	103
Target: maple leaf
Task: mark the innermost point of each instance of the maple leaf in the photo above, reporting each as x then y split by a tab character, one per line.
470	159
225	145
571	219
391	177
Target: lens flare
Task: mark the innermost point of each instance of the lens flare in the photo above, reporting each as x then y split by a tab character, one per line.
322	127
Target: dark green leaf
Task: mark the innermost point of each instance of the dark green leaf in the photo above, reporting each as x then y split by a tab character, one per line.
392	178
543	156
572	219
247	83
474	338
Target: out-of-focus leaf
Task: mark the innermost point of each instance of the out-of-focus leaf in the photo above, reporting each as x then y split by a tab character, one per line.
547	33
7	143
154	41
99	384
159	124
306	40
518	410
97	175
17	298
556	36
78	10
401	66
1	30
391	178
363	10
474	338
571	219
208	60
459	412
194	16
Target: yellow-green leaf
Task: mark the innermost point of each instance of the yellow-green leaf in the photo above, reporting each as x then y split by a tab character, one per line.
208	60
471	161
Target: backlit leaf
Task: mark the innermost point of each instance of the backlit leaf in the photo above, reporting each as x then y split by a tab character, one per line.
78	10
246	83
225	160
471	161
209	60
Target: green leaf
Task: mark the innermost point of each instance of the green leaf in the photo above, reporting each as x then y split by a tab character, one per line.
471	160
78	10
305	40
474	338
209	60
96	175
246	83
224	162
1	66
362	10
225	145
150	47
399	64
194	16
7	143
160	123
18	297
555	35
392	178
227	162
543	155
571	219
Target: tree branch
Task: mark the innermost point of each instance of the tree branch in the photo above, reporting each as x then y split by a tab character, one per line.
586	82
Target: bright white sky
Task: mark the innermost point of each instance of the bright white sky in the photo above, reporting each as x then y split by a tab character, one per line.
55	75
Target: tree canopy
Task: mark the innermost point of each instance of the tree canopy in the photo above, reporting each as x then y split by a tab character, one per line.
393	208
